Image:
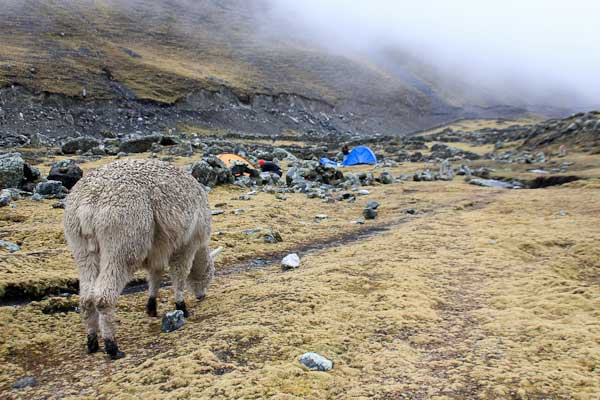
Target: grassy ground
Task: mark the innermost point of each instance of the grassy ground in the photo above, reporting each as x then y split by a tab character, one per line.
491	295
484	294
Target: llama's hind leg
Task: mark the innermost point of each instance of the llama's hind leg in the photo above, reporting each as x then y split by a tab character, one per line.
181	264
113	277
154	277
88	262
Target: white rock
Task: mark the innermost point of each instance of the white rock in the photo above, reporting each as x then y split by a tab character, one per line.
316	362
291	261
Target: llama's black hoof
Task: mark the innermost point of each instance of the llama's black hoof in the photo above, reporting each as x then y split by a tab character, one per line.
92	343
113	350
182	307
151	308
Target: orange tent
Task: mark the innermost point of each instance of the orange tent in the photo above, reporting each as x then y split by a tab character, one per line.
228	159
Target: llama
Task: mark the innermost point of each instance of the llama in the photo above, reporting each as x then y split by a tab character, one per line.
131	215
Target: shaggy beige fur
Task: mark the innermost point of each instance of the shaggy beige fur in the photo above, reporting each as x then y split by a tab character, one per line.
130	215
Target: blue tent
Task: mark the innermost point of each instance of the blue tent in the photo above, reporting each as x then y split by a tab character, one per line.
360	155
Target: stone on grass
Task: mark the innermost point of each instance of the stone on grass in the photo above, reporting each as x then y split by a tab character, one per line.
11	170
492	183
67	172
372	204
321	216
81	144
49	188
22	383
291	261
316	362
369	213
10	246
172	321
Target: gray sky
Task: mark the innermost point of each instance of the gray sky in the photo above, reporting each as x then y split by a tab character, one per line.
533	46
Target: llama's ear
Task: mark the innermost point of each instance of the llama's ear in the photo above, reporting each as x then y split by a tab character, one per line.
215	253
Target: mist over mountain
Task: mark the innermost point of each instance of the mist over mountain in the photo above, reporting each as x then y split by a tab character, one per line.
382	66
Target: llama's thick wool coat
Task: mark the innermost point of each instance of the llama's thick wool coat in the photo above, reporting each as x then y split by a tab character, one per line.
136	214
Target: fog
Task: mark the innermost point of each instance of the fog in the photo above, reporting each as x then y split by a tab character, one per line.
535	50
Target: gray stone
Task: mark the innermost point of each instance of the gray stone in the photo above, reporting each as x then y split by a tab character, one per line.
424	176
369	213
210	171
492	183
321	216
359	221
22	383
372	204
363	192
446	172
139	144
172	321
386	178
291	261
316	362
273	237
67	172
10	246
37	197
217	212
11	170
81	144
49	188
4	200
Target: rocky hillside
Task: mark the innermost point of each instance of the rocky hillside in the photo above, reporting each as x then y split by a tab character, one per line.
70	67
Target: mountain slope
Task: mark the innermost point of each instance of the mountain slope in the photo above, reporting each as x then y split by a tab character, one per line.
161	51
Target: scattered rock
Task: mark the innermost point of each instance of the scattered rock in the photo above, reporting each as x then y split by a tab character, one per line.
386	178
59	204
363	192
80	144
217	212
67	172
359	221
210	171
446	172
273	237
372	204
424	176
139	144
22	383
172	321
291	261
370	213
10	246
493	183
562	213
11	170
37	197
49	188
321	216
316	362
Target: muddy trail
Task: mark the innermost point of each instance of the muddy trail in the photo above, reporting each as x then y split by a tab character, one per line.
16	297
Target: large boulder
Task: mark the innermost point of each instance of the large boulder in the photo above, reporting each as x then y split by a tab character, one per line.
139	144
67	172
210	171
80	144
11	170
